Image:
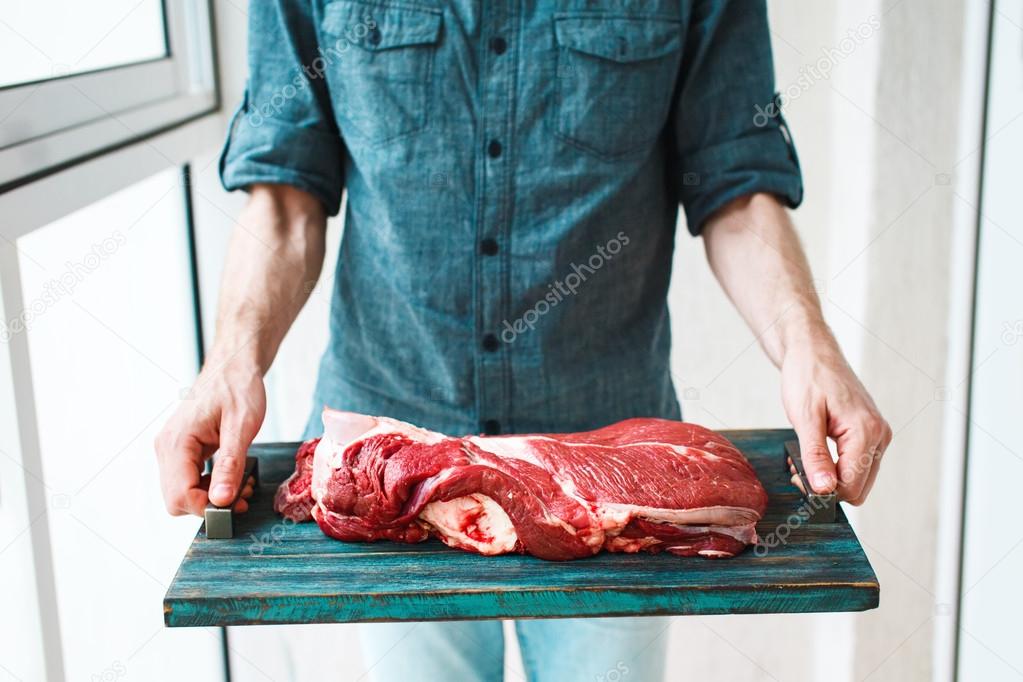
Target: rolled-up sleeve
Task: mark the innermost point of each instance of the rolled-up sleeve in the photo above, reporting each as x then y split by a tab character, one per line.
731	138
284	131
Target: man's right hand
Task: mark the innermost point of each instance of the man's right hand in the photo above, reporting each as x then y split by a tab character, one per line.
273	261
221	415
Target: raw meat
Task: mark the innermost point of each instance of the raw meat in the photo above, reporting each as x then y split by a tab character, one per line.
640	484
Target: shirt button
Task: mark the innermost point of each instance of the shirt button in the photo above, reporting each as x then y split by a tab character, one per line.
488	246
491	427
374	36
490	343
494	149
498	45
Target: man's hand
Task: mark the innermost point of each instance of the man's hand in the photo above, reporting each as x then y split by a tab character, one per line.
822	397
755	254
223	413
273	262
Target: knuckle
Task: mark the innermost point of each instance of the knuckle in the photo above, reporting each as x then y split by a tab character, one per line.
231	429
872	424
862	461
174	504
816	452
249	420
227	462
810	415
852	484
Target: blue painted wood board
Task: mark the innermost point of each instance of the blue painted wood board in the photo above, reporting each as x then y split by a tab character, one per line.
274	571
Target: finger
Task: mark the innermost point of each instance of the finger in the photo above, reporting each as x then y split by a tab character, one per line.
180	461
240	507
813	448
875	466
248	486
229	464
798	482
871	477
856	450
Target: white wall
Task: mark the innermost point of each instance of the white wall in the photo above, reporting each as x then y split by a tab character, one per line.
884	159
877	141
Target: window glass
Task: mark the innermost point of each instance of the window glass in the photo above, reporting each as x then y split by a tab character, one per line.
111	335
42	39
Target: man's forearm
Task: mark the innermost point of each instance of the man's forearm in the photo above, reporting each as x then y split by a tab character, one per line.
756	256
273	261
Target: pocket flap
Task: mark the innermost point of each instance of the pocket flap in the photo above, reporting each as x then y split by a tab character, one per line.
620	39
380	27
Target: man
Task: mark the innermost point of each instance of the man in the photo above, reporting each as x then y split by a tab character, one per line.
514	172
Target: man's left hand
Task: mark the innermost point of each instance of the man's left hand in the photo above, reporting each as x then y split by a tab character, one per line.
824	398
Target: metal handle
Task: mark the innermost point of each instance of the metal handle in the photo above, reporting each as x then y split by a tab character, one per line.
220	520
818	508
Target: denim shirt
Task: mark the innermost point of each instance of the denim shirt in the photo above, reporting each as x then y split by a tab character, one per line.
514	172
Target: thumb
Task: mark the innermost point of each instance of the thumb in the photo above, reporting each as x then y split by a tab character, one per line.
813	448
228	466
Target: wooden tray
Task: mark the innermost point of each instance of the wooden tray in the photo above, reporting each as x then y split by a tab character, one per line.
274	571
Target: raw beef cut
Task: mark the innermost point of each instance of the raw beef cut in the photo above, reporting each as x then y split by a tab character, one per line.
640	484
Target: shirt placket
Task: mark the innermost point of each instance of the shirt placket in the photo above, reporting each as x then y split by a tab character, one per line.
494	155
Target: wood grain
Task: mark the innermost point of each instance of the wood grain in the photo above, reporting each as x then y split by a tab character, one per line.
274	571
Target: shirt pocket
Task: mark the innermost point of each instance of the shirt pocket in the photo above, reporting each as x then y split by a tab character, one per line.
615	79
383	67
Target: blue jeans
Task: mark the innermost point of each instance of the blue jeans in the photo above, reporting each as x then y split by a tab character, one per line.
563	650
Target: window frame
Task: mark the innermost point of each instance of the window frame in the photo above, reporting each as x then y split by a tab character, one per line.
142	127
59	122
